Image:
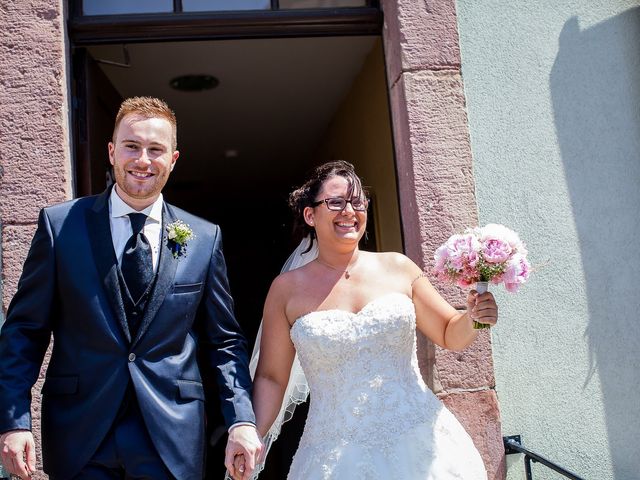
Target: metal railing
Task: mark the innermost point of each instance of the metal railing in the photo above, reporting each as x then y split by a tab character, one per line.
513	445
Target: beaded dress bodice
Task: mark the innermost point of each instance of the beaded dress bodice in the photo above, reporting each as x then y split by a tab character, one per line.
371	415
362	371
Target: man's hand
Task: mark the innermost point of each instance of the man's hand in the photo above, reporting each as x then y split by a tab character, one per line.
243	440
18	452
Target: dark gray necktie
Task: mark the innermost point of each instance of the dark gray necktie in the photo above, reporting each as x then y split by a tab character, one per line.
137	266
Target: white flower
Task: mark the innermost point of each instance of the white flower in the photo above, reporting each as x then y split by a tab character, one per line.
178	234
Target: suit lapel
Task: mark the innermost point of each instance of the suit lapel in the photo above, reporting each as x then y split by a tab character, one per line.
104	256
167	266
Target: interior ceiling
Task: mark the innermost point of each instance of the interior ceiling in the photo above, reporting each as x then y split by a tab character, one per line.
274	102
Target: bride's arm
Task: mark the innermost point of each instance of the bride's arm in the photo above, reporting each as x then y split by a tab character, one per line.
276	356
438	320
442	323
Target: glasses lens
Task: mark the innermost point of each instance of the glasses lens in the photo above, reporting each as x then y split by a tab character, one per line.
336	203
359	204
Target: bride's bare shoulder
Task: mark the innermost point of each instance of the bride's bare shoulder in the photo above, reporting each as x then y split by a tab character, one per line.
393	261
289	281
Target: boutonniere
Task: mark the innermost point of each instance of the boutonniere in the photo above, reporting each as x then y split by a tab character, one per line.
178	234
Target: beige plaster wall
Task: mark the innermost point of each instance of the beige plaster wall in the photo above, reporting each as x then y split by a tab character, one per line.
361	134
552	89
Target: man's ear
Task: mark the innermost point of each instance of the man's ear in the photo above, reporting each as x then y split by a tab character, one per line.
174	157
111	148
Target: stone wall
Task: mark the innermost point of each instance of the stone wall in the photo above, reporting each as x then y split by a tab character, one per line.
437	194
34	152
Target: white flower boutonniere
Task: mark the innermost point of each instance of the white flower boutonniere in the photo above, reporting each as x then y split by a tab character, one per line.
178	234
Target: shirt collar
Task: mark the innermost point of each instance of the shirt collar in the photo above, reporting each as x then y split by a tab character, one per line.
119	208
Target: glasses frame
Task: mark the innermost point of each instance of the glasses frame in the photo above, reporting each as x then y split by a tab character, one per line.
326	202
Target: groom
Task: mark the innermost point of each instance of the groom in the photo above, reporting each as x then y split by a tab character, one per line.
132	289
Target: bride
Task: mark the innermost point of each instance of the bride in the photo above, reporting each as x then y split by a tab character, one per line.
351	316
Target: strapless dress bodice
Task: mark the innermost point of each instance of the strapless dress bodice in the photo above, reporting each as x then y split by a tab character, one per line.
370	409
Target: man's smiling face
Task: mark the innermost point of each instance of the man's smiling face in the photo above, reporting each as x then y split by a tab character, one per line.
142	157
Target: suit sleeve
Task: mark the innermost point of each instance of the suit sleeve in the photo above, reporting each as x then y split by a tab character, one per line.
25	335
224	344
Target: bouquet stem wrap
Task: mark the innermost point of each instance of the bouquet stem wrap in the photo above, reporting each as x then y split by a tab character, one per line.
481	287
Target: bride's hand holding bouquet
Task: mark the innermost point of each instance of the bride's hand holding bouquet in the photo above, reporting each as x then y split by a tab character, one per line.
492	253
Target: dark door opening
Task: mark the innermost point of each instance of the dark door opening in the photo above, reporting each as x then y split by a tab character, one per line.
280	107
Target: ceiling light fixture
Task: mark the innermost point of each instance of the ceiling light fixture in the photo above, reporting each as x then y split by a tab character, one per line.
194	83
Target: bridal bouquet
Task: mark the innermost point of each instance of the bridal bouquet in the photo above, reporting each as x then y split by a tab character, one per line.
492	253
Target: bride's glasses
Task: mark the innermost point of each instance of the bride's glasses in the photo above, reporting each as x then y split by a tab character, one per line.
337	204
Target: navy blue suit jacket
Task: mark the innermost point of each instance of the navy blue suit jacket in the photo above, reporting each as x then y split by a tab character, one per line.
69	288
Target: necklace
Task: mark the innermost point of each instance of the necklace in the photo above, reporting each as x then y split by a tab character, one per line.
347	275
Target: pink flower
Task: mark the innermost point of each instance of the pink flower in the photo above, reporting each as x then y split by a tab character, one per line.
458	252
465	282
495	250
463	249
516	273
470	273
441	257
494	231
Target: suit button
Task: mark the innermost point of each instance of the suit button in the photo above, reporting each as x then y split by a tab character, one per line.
132	357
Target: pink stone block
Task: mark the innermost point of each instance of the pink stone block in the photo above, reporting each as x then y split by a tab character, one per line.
405	174
27	187
479	414
36	407
471	368
426	352
34	159
433	153
420	35
16	240
437	199
34	156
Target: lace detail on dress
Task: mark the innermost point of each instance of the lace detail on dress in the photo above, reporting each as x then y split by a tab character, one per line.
371	415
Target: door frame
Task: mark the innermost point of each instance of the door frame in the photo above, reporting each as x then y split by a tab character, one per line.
154	27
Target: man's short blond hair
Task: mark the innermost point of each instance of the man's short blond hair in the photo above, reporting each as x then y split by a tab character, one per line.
148	107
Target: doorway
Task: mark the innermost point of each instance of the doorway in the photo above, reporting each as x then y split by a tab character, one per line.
254	116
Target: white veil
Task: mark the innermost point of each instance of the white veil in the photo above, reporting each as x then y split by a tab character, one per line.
297	389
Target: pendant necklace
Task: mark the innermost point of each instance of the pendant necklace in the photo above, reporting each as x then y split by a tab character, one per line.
346	273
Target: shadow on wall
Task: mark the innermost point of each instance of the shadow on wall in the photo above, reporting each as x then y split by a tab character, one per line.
595	88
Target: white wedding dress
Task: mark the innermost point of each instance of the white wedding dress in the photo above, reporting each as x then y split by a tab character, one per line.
371	415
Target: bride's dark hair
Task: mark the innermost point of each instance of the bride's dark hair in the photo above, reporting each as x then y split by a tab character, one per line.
306	195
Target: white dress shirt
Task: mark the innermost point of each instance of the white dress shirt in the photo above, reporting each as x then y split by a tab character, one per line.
121	229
